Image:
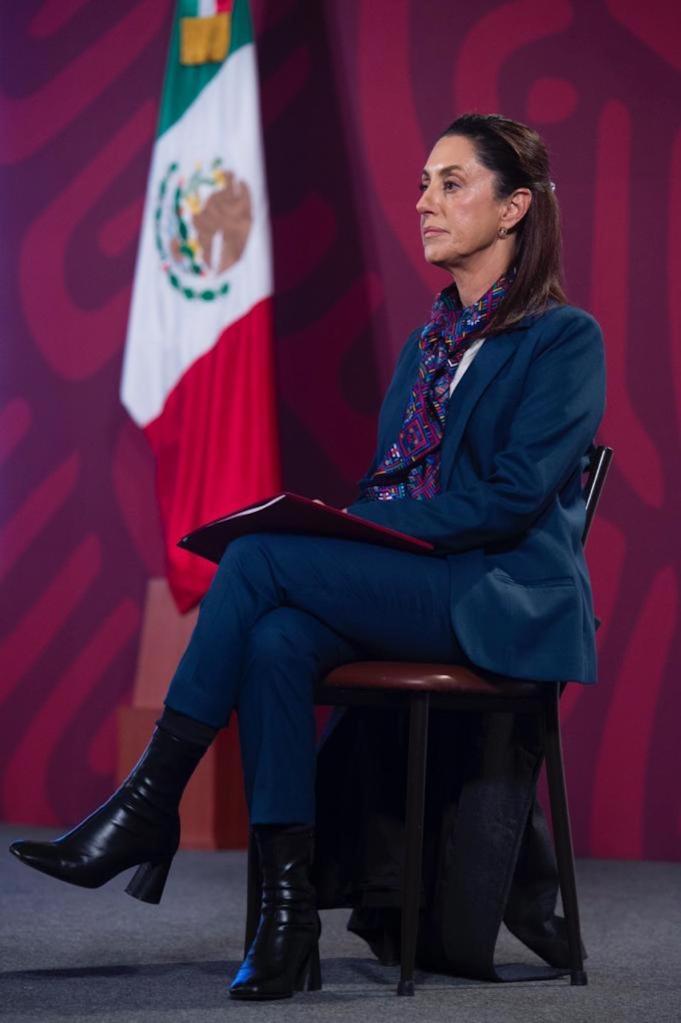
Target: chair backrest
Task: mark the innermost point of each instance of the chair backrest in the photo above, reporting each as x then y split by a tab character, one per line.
597	470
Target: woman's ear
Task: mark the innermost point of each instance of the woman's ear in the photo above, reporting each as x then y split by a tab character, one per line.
515	208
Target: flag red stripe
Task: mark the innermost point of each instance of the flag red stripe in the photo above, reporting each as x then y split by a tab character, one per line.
216	443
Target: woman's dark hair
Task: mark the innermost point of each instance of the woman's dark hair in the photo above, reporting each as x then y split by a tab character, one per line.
519	159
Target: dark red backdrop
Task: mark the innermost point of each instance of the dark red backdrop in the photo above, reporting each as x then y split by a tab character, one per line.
353	94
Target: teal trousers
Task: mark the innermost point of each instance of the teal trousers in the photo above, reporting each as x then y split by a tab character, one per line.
281	612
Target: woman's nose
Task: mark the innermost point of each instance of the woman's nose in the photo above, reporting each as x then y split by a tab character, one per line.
424	202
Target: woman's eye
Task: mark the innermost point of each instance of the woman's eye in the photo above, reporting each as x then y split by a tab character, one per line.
422	186
450	185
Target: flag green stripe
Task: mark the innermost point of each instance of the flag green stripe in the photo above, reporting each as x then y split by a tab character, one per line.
183	84
187	9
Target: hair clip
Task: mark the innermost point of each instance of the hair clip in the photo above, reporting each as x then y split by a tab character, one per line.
553	185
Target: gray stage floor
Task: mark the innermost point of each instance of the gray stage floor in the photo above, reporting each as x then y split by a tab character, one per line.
71	954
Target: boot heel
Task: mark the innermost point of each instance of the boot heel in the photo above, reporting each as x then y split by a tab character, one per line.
310	975
148	881
314	977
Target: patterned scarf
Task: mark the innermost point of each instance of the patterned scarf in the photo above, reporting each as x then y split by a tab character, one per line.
411	466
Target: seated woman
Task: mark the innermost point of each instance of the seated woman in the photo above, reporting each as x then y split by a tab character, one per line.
493	404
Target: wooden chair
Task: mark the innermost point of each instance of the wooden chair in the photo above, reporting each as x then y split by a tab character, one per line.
455	687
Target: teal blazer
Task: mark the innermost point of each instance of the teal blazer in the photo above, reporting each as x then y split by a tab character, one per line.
510	514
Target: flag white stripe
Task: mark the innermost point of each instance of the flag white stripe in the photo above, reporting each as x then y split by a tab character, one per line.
166	331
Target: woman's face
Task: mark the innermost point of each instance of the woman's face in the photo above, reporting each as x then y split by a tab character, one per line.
459	215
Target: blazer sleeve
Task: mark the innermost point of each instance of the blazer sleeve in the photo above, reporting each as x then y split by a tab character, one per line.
562	404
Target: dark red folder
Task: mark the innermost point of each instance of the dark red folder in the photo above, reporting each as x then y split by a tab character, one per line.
291	513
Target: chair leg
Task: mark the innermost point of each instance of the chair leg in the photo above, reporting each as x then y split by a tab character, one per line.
563	838
253	892
413	844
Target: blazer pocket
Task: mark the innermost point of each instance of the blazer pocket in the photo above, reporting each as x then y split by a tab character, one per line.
553	580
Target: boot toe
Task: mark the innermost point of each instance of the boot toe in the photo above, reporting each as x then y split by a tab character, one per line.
48	859
254	990
253	982
28	852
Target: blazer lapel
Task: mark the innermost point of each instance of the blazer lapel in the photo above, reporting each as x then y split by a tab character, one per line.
494	353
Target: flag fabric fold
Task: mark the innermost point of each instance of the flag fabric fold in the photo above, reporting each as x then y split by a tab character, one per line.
198	371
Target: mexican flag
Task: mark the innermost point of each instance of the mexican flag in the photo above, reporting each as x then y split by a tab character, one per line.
198	372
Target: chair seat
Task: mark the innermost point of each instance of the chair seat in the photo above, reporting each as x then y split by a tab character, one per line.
406	676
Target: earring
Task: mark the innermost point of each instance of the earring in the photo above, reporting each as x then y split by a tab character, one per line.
503	231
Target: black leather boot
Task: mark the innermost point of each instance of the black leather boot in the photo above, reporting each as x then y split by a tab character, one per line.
284	955
138	826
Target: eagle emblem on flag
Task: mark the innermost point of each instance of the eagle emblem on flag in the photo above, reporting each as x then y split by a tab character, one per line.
202	223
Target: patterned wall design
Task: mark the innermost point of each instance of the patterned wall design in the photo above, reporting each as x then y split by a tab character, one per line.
353	94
